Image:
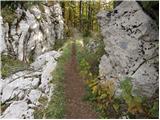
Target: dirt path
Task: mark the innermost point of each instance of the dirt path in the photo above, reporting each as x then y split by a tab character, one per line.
74	89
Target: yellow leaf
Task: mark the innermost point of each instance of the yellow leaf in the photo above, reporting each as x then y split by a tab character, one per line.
94	89
93	84
135	107
103	96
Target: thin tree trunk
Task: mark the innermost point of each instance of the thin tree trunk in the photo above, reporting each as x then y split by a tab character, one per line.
89	16
80	15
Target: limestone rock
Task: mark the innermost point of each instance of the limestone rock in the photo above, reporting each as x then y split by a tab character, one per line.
34	95
46	62
7	93
2	82
2	42
16	110
14	88
36	12
33	31
47	75
41	60
24	88
35	82
131	45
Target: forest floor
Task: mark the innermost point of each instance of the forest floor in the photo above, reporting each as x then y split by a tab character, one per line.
74	88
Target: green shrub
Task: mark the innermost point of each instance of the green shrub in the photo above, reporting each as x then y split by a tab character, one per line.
29	4
56	105
134	102
93	56
8	14
11	65
101	95
39	111
59	44
9	7
154	111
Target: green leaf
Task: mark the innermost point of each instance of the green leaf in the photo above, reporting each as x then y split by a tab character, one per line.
116	107
154	111
103	96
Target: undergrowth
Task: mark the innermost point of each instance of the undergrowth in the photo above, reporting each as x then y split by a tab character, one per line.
102	96
101	93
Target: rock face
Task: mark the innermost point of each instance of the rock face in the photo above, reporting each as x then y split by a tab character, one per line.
131	44
21	91
32	32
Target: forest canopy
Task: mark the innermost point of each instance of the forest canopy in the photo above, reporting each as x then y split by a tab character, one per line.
82	14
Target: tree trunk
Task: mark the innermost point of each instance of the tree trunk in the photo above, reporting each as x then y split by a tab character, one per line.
80	15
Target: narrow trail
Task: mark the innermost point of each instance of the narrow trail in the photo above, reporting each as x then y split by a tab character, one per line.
74	88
